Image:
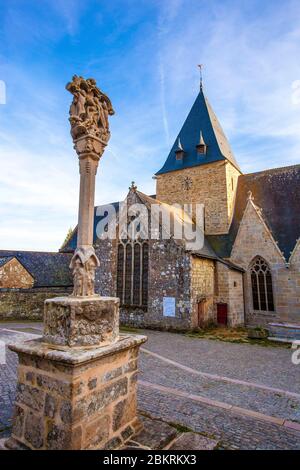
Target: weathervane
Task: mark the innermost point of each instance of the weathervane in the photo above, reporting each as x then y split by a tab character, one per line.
201	78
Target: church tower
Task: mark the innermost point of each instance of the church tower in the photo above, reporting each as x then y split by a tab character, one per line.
201	168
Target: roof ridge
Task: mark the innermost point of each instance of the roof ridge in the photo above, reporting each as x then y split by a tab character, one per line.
272	170
2	252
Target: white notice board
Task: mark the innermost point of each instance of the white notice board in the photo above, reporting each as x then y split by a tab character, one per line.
169	306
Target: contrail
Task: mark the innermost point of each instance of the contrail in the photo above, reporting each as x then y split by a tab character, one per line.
163	99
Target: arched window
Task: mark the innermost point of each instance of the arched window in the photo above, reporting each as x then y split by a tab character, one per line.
132	273
261	282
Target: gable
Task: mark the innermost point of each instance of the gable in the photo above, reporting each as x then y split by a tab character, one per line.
254	239
277	192
13	275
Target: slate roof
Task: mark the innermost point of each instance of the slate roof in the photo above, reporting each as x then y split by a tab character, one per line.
201	119
5	260
47	269
277	193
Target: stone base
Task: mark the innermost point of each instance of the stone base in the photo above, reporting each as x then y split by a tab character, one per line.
81	321
75	399
155	435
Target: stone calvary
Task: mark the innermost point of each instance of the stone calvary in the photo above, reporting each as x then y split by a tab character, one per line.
77	384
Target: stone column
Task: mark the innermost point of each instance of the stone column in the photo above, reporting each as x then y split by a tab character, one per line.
85	261
77	384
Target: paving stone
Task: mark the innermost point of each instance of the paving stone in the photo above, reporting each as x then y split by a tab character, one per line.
155	435
192	441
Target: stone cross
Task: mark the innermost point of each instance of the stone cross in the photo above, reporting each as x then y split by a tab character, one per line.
89	113
77	385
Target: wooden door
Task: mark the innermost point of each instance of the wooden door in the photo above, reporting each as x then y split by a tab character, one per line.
222	314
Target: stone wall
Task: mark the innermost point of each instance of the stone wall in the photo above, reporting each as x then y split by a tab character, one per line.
229	290
132	316
169	276
106	274
232	176
236	314
255	239
14	275
27	304
211	185
202	290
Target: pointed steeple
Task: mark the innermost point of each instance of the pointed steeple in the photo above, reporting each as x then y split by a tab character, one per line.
201	121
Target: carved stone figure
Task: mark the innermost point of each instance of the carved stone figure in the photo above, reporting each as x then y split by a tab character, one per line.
89	110
83	265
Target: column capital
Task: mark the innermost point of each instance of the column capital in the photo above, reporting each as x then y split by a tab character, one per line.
89	146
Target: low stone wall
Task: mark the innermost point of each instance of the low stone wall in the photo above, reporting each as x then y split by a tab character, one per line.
27	304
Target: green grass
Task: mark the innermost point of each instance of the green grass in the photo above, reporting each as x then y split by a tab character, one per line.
237	335
129	329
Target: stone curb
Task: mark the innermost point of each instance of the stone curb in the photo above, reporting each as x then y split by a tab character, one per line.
234	409
220	377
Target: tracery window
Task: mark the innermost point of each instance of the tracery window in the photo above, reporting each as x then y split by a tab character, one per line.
261	282
132	273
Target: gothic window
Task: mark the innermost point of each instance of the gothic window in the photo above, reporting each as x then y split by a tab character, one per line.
128	272
145	274
261	282
132	273
120	271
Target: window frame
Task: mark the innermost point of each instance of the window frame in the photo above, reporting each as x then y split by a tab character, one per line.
122	287
267	296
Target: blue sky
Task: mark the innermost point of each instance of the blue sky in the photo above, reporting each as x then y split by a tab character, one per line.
144	55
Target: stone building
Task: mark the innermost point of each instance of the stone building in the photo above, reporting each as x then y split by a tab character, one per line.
247	270
28	278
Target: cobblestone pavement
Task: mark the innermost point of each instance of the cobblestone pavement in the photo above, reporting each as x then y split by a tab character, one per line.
270	367
263	401
232	431
8	379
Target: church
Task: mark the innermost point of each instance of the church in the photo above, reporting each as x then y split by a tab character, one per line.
248	268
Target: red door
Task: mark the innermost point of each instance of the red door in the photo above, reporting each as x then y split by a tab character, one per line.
222	314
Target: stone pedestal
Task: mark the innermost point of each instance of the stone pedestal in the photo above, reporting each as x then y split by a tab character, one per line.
81	321
75	398
77	385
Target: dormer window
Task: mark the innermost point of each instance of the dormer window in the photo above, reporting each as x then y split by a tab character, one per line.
201	146
179	152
